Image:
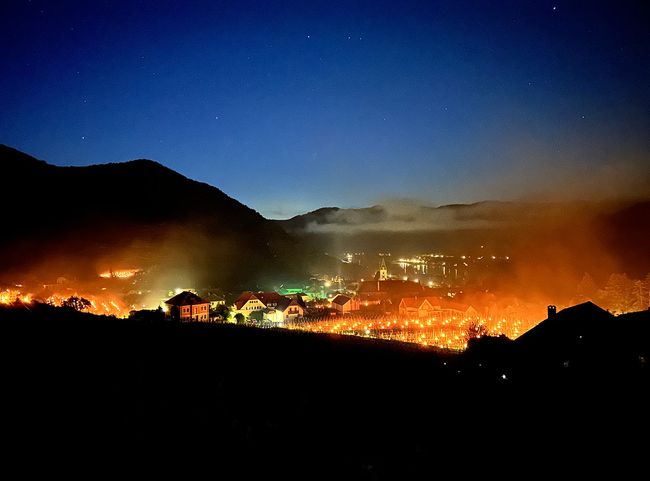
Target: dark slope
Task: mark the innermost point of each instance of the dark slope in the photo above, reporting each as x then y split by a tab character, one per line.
81	387
138	212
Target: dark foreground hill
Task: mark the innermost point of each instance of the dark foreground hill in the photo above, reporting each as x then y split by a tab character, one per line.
76	221
80	388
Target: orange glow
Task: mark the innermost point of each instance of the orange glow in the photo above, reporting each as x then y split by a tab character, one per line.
5	297
119	274
10	296
449	332
105	303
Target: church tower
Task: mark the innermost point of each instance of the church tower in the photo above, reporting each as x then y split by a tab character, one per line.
383	271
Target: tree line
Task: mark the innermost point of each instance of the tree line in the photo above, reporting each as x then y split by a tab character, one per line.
619	294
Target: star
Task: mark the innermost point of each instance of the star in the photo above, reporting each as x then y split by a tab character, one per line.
308	36
83	137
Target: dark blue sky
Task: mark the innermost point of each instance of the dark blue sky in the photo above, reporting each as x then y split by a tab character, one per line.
289	106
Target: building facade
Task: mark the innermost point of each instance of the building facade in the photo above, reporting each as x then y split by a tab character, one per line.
187	306
343	304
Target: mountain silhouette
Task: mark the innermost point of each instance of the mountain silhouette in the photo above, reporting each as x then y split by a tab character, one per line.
137	213
78	221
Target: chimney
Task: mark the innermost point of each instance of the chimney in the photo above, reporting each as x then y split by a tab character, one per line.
552	310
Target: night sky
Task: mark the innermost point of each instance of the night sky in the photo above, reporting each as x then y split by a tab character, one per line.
290	106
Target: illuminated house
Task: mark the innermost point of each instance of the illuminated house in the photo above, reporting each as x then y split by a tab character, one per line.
291	308
249	302
417	307
426	307
343	304
269	299
214	303
388	292
286	309
187	306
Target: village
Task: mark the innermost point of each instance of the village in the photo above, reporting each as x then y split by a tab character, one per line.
383	308
416	300
434	308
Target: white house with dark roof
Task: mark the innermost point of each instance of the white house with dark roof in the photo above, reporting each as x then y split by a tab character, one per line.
276	308
287	309
247	303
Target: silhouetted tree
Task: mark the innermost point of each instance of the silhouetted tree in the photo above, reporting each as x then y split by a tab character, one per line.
645	301
239	317
640	296
476	330
77	303
221	312
148	315
620	295
257	316
587	288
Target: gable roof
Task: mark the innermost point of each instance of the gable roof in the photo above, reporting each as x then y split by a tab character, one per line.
243	298
341	300
586	337
566	325
268	297
416	302
453	305
185	298
391	287
285	303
